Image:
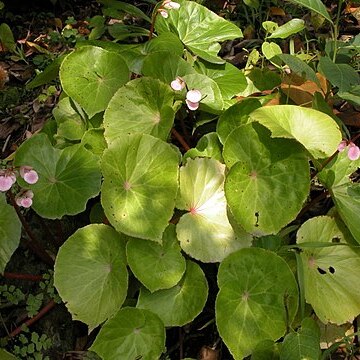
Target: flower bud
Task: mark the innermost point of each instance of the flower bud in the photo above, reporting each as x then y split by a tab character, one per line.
193	96
353	152
342	146
7	179
192	105
29	174
164	13
24	198
168	4
178	84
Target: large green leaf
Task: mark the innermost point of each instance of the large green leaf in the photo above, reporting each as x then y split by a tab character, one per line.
67	178
316	6
90	273
10	232
180	304
229	78
258	299
343	76
157	266
131	334
303	344
268	181
4	355
331	281
346	195
199	29
205	232
316	131
91	75
140	185
142	106
166	66
290	28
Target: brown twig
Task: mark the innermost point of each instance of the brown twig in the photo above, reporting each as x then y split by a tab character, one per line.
32	243
30	277
180	139
37	317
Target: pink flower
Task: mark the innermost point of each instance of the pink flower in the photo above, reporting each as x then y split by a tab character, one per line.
342	145
192	105
29	174
164	13
193	98
24	198
7	179
168	4
353	152
177	84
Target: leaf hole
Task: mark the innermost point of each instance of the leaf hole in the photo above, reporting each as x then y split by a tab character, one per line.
257	219
335	240
321	271
332	270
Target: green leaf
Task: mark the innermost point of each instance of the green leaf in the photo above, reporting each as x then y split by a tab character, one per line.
229	78
316	131
290	28
165	42
94	141
91	75
4	355
353	95
50	73
342	76
261	80
90	273
182	303
165	66
7	37
316	6
142	106
208	146
235	116
10	232
263	169
67	178
258	299
270	49
140	185
201	32
205	232
212	100
299	67
303	344
157	266
331	281
266	350
131	334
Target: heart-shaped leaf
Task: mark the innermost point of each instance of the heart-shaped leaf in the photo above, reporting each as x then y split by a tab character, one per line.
131	334
180	304
142	106
10	232
140	185
316	131
68	178
205	232
258	299
91	75
331	281
263	170
90	273
201	32
157	266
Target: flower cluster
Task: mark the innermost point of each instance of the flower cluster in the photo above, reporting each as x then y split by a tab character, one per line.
8	179
167	5
353	150
193	97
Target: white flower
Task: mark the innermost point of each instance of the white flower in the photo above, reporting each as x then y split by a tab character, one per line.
177	84
193	96
192	105
164	13
168	4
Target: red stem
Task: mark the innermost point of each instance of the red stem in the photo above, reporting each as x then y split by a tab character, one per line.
32	243
180	139
37	317
9	275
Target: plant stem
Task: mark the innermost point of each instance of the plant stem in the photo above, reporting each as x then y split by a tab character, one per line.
180	139
9	275
336	29
37	317
32	243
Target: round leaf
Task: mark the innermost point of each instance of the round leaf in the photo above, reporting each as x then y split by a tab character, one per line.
201	32
331	281
142	106
91	75
10	232
268	181
205	232
90	273
182	303
67	178
317	131
140	185
157	266
131	334
258	292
